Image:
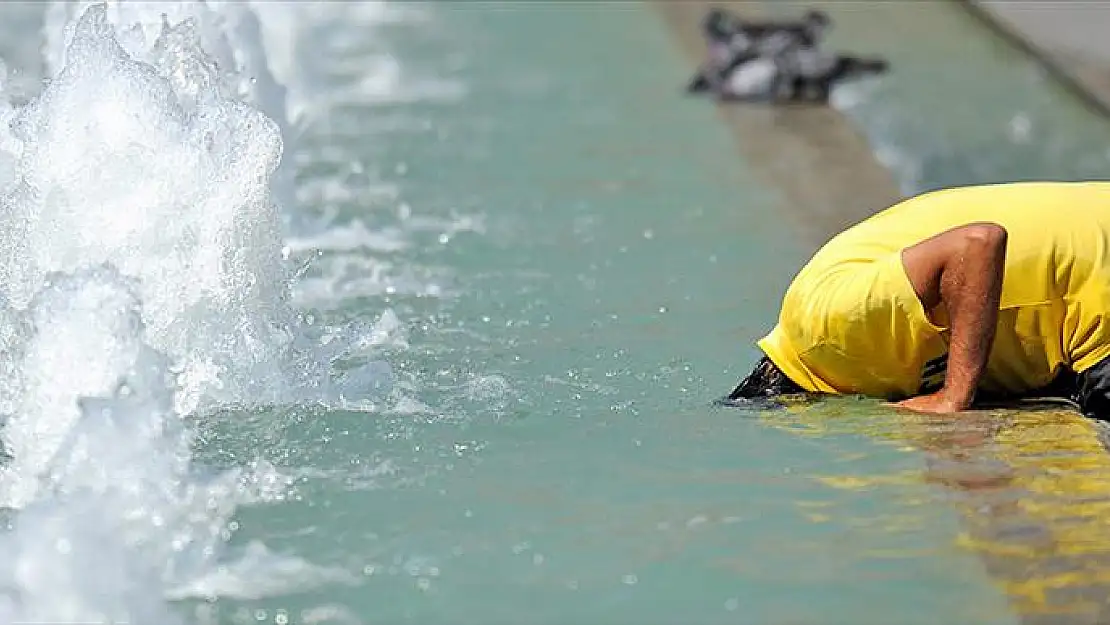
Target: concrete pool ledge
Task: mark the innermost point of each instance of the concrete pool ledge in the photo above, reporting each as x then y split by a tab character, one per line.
1069	39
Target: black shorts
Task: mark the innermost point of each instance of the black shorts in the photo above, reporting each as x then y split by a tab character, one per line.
1091	390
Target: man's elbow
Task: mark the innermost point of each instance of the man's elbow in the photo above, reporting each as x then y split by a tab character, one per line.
984	236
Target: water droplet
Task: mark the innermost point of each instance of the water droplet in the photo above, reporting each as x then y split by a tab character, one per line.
1020	128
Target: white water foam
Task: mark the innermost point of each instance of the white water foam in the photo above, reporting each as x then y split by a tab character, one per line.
344	32
230	34
141	280
330	57
118	516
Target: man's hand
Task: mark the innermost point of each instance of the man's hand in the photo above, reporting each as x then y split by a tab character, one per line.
962	270
934	403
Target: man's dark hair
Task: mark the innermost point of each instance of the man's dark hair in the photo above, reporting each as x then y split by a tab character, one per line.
766	380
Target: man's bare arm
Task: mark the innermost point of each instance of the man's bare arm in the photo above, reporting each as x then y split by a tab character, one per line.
962	270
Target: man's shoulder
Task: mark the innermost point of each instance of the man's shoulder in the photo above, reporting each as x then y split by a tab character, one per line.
1036	202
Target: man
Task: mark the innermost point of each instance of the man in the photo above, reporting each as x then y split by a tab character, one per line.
980	292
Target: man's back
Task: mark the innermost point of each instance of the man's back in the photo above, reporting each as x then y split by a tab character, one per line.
849	322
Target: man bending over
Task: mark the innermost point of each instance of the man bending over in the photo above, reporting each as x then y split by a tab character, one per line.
994	291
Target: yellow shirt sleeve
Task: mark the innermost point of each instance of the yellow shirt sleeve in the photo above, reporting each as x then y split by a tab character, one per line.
855	327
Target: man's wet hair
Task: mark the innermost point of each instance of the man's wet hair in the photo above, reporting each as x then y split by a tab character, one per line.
766	381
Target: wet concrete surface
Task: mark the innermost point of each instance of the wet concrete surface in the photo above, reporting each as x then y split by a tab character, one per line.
1069	38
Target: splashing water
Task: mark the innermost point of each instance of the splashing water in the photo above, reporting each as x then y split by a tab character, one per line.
120	503
141	280
229	33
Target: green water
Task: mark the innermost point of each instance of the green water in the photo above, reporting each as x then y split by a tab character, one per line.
551	453
565	261
568	465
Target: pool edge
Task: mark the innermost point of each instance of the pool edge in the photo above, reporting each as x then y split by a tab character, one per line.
1076	74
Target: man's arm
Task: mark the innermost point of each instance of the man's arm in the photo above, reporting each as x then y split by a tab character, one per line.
962	270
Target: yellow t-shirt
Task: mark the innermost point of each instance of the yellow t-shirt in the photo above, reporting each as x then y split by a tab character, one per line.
851	322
